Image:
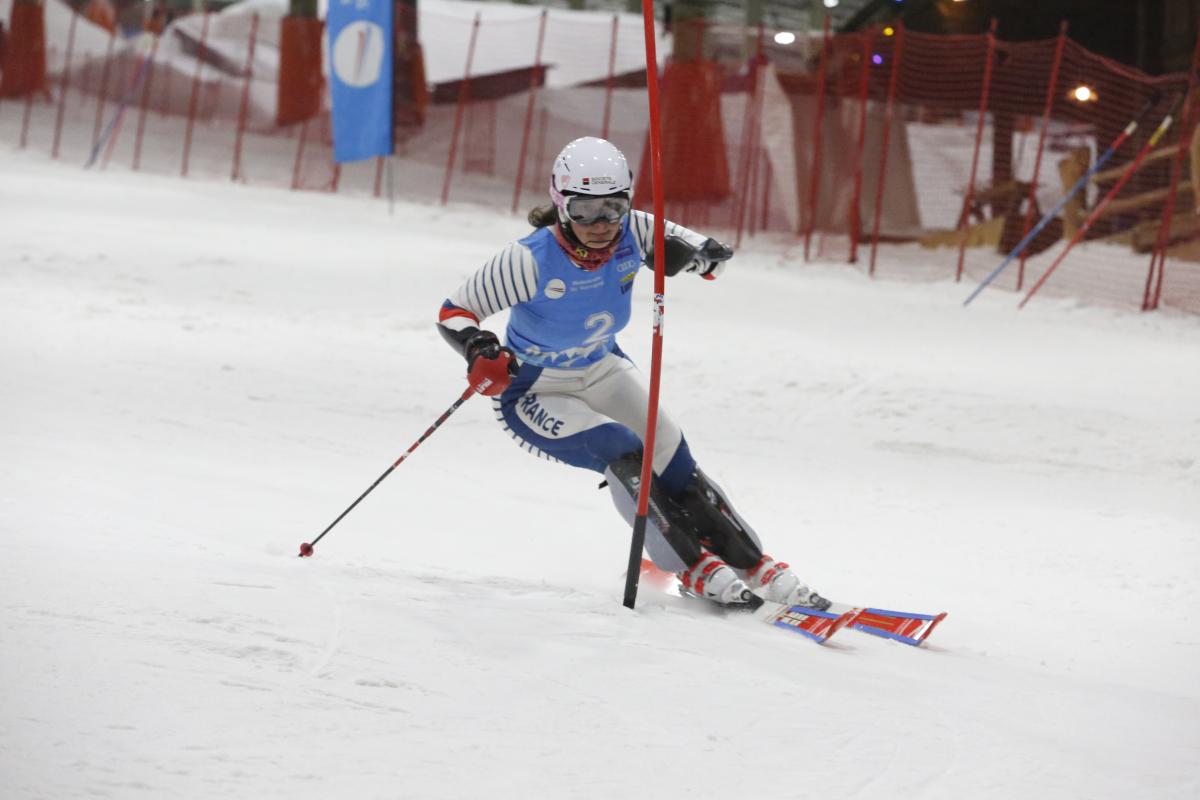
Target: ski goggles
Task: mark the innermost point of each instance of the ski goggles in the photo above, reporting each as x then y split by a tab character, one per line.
588	210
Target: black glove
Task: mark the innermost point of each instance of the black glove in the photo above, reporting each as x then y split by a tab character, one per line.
707	260
484	344
710	259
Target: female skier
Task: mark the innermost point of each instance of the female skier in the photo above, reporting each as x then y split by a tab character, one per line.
565	391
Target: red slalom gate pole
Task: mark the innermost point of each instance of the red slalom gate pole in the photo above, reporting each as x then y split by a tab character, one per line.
306	549
1150	144
639	524
1037	164
965	219
463	89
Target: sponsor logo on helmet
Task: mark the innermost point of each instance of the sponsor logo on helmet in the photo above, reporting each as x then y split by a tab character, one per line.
606	180
555	289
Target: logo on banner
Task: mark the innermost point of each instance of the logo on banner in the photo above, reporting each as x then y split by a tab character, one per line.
360	78
358	54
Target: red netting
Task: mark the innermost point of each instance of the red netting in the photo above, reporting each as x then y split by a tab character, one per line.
867	147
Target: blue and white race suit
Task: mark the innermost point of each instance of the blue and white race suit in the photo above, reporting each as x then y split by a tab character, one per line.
577	398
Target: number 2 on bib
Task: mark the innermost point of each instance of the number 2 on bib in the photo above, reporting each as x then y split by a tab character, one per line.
600	324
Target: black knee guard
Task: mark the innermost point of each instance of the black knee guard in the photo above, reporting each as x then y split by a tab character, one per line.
720	528
677	527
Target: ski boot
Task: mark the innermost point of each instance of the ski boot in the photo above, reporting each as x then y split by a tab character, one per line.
780	585
713	579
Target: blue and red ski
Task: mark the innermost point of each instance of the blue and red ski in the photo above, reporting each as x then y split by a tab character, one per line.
808	622
900	626
817	625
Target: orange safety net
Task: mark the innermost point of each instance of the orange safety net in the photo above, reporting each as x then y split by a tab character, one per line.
25	53
300	80
693	139
900	152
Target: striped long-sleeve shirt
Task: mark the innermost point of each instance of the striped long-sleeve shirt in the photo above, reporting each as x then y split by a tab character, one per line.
511	276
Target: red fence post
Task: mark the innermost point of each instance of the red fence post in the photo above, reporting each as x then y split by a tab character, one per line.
750	133
1191	117
26	118
244	109
608	86
378	192
86	80
1037	164
864	87
897	52
187	137
141	128
164	96
108	54
299	154
818	125
752	65
463	89
766	193
543	125
751	193
965	218
66	85
533	85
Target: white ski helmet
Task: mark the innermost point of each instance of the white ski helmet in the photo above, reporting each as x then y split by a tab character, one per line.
589	167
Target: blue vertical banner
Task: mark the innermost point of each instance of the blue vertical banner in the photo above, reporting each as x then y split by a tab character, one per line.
360	69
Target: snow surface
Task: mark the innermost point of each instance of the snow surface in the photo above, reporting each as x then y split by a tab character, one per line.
198	377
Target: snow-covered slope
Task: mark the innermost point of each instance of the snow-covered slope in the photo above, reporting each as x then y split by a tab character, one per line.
184	403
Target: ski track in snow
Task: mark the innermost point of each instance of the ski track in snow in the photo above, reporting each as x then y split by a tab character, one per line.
186	402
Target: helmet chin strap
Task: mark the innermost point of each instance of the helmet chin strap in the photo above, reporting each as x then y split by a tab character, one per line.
584	257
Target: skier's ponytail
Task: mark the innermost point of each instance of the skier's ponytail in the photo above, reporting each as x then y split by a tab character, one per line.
543	216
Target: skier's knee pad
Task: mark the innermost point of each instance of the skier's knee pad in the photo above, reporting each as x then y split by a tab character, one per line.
671	538
720	528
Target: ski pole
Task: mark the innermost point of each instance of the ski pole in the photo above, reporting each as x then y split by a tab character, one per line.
306	549
1052	213
109	129
1108	198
